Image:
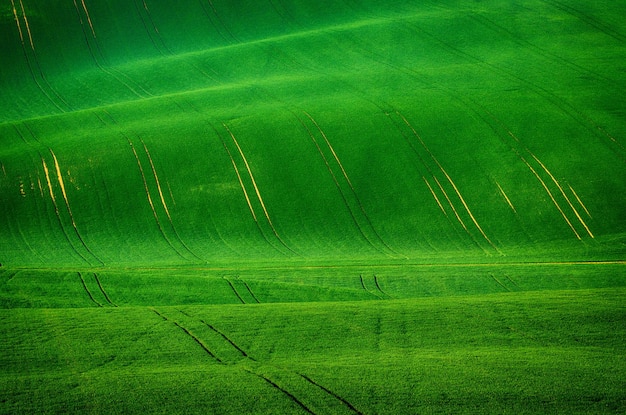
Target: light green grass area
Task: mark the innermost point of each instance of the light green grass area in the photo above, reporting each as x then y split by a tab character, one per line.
312	206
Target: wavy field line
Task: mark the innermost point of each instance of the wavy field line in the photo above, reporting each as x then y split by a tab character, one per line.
256	190
508	201
456	190
347	178
580	201
341	192
564	195
147	191
82	280
30	37
552	198
432	192
106	296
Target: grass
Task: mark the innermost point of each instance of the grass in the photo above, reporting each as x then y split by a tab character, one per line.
312	207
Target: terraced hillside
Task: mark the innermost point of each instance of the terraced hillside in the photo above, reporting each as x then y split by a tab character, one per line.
312	206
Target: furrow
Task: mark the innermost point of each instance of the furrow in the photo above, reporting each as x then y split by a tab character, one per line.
354	193
328	391
508	201
256	190
432	192
564	195
190	334
232	343
580	201
82	280
552	198
95	276
234	290
284	391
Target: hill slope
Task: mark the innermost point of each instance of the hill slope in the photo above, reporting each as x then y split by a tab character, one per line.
135	132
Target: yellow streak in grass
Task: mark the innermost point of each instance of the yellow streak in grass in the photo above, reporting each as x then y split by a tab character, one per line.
506	197
435	196
256	188
480	229
332	150
145	184
451	204
551	197
45	170
467	207
88	17
580	201
565	196
27	26
62	184
245	192
156	178
17	21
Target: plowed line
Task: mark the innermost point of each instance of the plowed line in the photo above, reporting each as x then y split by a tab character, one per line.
345	175
551	197
232	343
256	189
435	196
328	391
190	334
580	201
506	197
287	393
95	276
564	195
82	280
235	290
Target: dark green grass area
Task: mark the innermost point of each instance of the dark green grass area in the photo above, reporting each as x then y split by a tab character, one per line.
549	350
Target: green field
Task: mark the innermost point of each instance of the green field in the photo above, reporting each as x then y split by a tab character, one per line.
323	207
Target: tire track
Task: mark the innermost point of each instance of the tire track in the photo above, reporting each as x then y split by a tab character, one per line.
232	343
57	211
112	72
189	334
376	282
386	249
587	19
151	203
26	55
328	391
367	289
499	283
95	276
284	391
162	198
234	290
256	190
249	290
82	280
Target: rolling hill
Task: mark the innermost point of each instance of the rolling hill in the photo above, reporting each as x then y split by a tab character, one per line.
227	206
